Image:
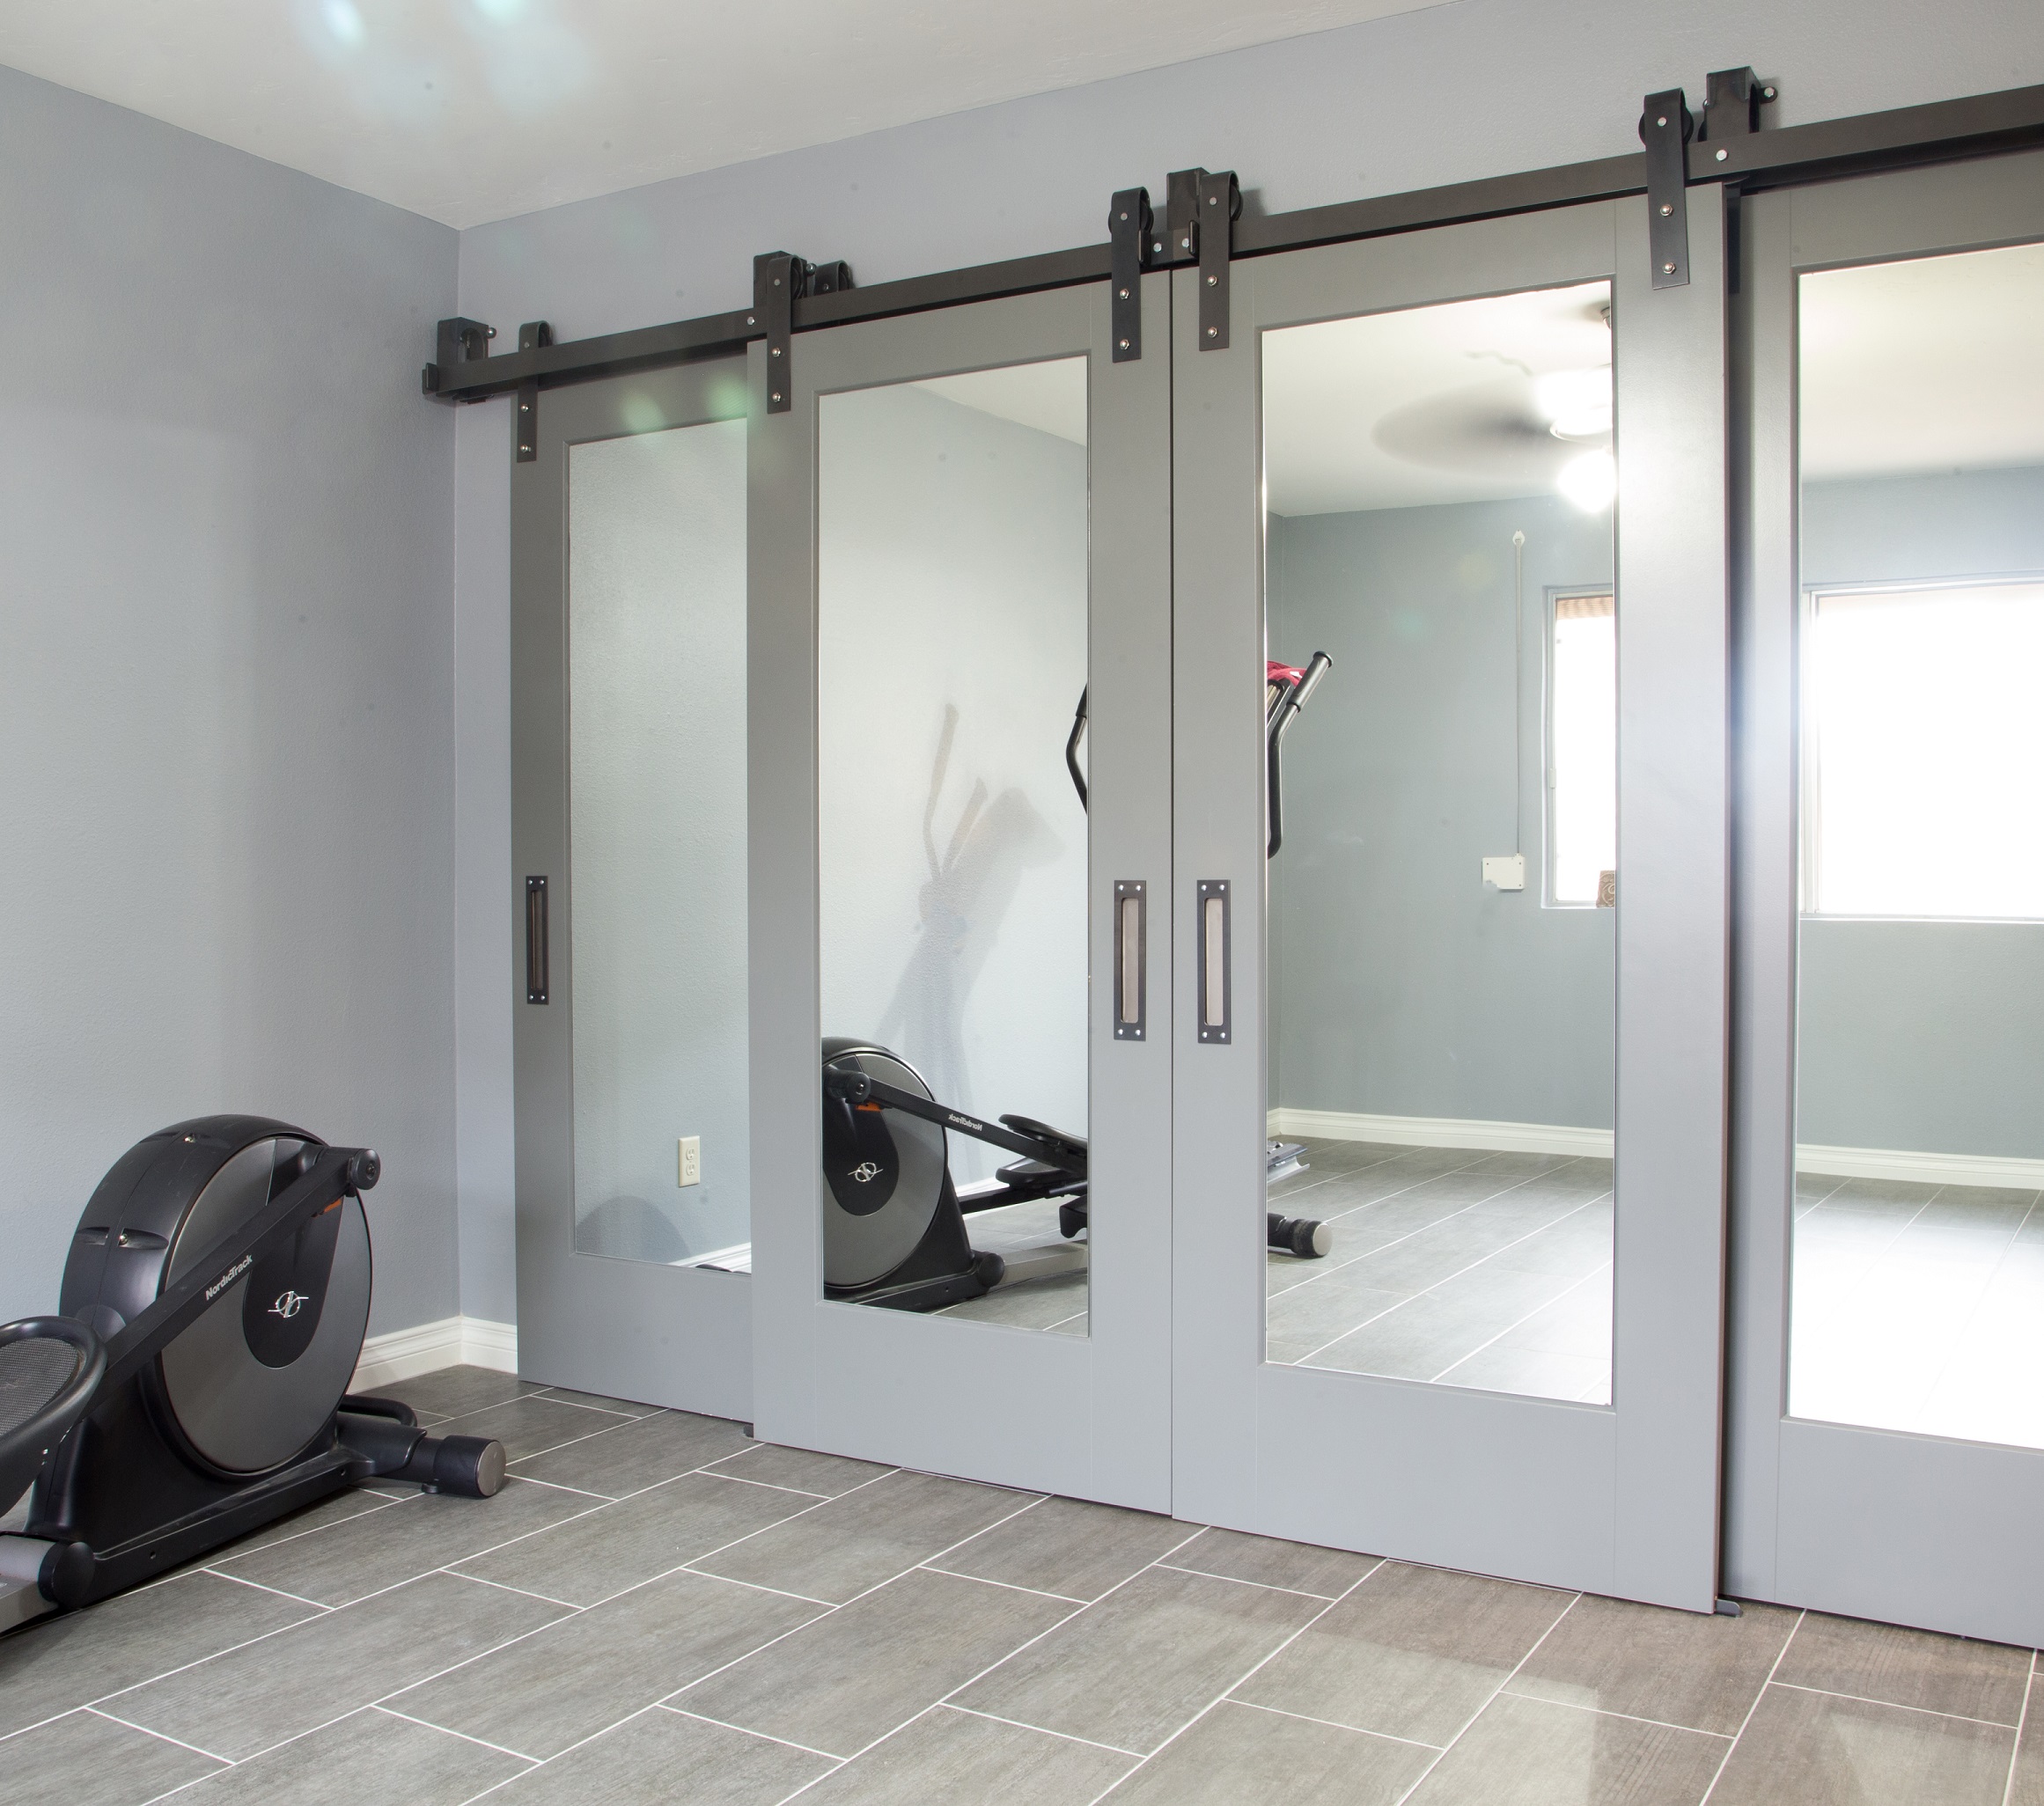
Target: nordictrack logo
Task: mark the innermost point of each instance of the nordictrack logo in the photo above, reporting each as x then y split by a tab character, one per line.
228	1278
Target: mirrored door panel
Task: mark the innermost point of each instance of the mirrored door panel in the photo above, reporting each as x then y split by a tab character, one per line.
1440	505
960	722
1450	622
1917	1297
629	873
951	625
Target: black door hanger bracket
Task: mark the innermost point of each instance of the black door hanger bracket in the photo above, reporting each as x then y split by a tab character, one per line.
1220	203
1128	239
1665	128
779	281
1732	110
531	336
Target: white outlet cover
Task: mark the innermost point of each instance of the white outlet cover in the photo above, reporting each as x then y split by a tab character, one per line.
689	1161
1506	870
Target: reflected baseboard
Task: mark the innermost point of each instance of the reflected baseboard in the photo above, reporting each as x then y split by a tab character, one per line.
1441	1131
426	1347
2007	1170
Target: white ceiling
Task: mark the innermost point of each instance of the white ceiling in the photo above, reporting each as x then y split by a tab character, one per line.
1935	364
471	110
1434	404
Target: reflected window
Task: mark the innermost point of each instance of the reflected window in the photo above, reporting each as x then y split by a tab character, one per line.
1923	762
1440	500
1583	749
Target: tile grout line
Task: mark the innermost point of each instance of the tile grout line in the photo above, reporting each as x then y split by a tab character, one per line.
1236	1580
930	1567
115	1718
482	1742
751	1586
278	1592
523	1592
1240	1680
2022	1717
555	1486
554	1398
1041	1731
1896	1705
1421	1779
1696	1730
1760	1693
1307	1718
725	1724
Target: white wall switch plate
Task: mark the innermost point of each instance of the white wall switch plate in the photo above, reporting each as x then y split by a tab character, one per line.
691	1161
1506	870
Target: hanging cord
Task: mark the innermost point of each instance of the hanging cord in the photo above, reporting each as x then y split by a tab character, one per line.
1517	691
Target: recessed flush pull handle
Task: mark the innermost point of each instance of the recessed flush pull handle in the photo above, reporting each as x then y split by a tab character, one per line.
1131	952
1215	960
535	940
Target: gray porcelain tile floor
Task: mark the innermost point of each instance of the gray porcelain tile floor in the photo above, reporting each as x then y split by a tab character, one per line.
659	1609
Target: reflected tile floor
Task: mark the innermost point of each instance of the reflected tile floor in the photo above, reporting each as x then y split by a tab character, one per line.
1919	1308
1461	1266
719	1621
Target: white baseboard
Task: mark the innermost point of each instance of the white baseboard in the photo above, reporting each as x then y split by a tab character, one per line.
2010	1171
1441	1131
426	1347
2007	1170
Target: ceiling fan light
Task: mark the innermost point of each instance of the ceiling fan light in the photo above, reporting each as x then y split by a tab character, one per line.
1589	481
1575	403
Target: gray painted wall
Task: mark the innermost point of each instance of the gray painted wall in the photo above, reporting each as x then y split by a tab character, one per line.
1455	93
1922	1035
1403	985
226	726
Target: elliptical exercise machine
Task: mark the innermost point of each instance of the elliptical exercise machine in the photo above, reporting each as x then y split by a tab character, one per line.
894	1223
193	1386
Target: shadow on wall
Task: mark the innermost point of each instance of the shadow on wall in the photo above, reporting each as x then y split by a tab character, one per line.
631	1229
970	891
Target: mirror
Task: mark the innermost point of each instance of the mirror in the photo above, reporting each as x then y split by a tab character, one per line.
1439	515
656	826
1917	1277
952	607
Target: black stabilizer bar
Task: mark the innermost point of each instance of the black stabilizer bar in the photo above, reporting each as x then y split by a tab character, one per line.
334	1174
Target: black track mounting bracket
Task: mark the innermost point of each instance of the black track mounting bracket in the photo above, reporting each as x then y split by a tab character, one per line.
531	336
1732	99
1129	225
780	280
1665	128
456	341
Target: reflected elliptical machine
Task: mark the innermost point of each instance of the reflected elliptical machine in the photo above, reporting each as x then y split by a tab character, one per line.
195	1385
894	1230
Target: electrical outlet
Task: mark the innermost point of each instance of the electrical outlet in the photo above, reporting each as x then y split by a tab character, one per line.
1506	870
690	1156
